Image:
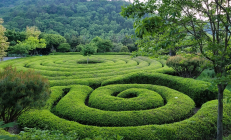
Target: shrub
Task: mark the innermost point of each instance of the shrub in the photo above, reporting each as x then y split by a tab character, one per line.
124	49
64	47
21	91
37	134
6	135
188	66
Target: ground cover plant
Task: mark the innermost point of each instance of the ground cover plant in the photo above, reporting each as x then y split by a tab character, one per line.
115	94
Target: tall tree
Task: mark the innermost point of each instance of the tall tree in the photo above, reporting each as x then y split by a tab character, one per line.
3	44
207	22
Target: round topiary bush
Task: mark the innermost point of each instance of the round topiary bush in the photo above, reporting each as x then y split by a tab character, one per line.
189	66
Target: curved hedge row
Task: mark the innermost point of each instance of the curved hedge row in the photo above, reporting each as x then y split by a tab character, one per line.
199	91
199	126
178	107
57	68
130	99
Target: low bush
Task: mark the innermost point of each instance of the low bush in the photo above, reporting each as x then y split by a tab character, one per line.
37	134
124	49
21	91
188	66
4	135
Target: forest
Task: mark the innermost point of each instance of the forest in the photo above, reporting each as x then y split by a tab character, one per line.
67	18
75	22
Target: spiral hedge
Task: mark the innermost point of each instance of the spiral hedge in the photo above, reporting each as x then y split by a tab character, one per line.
133	97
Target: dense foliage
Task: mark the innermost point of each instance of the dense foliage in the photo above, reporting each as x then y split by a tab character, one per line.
64	47
68	18
21	91
188	66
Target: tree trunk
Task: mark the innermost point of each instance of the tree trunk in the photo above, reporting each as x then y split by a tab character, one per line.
220	111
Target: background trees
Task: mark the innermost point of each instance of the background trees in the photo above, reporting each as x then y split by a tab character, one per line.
15	36
52	41
30	44
102	45
67	17
64	47
73	22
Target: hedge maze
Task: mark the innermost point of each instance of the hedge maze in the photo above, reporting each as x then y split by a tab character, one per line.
133	97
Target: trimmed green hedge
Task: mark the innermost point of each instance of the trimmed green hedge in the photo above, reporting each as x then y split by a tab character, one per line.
105	98
63	70
200	126
178	107
199	91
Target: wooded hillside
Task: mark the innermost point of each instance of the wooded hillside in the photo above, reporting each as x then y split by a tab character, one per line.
67	17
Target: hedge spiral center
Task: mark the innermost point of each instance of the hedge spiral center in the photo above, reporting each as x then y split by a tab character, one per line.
126	99
73	107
